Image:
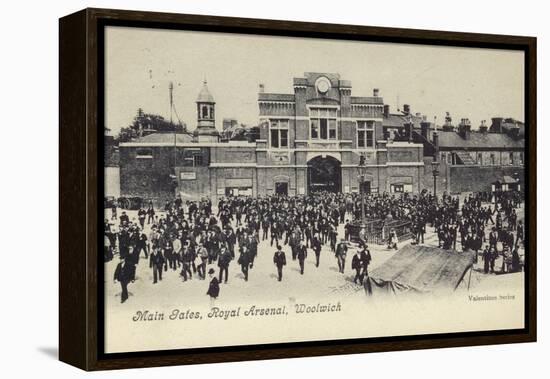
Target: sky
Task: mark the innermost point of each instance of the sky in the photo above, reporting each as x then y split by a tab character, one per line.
140	63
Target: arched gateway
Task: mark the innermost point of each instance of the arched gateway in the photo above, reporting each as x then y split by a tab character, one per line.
324	174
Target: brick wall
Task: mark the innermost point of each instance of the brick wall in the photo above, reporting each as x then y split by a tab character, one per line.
151	177
479	178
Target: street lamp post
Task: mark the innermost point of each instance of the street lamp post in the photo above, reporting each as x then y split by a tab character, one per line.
435	172
435	162
361	168
362	192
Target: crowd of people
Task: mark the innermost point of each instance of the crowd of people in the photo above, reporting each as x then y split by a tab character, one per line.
188	236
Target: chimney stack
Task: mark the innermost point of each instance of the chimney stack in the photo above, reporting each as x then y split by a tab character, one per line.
409	126
448	125
406	109
483	127
464	128
262	88
386	110
375	92
424	128
496	126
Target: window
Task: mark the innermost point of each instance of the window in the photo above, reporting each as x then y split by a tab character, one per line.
204	111
197	160
479	158
521	158
511	158
365	134
401	188
331	129
274	138
323	123
278	132
398	188
314	129
492	159
144	153
324	128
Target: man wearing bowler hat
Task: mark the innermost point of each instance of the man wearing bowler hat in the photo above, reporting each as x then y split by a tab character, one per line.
213	287
123	274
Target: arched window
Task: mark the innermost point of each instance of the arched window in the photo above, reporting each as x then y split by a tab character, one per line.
204	111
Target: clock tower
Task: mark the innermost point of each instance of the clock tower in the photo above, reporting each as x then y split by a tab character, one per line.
206	121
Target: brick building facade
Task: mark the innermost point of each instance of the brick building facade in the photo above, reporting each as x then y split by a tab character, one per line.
309	140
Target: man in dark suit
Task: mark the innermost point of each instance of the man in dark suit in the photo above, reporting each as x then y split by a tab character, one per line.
341	252
150	213
123	274
274	233
357	265
124	219
213	287
230	240
124	242
421	229
141	243
316	246
244	261
301	254
223	263
280	260
156	262
486	259
265	228
187	258
252	248
294	242
142	213
365	261
347	227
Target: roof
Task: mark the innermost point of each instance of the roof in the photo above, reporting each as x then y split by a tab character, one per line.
366	100
453	140
506	180
275	97
399	120
204	95
421	269
300	81
508	126
164	138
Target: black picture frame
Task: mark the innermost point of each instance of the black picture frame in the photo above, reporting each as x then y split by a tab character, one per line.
81	105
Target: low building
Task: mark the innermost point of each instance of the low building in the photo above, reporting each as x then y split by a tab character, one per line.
472	160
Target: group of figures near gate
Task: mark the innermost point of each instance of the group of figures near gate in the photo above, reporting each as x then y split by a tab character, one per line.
188	237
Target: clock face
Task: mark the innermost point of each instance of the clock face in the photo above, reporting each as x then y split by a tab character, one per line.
323	85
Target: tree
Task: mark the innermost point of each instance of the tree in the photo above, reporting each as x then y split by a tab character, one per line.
148	123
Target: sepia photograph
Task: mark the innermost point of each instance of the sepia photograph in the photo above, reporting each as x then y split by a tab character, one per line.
267	189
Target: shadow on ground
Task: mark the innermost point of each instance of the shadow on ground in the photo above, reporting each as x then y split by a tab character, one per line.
49	351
